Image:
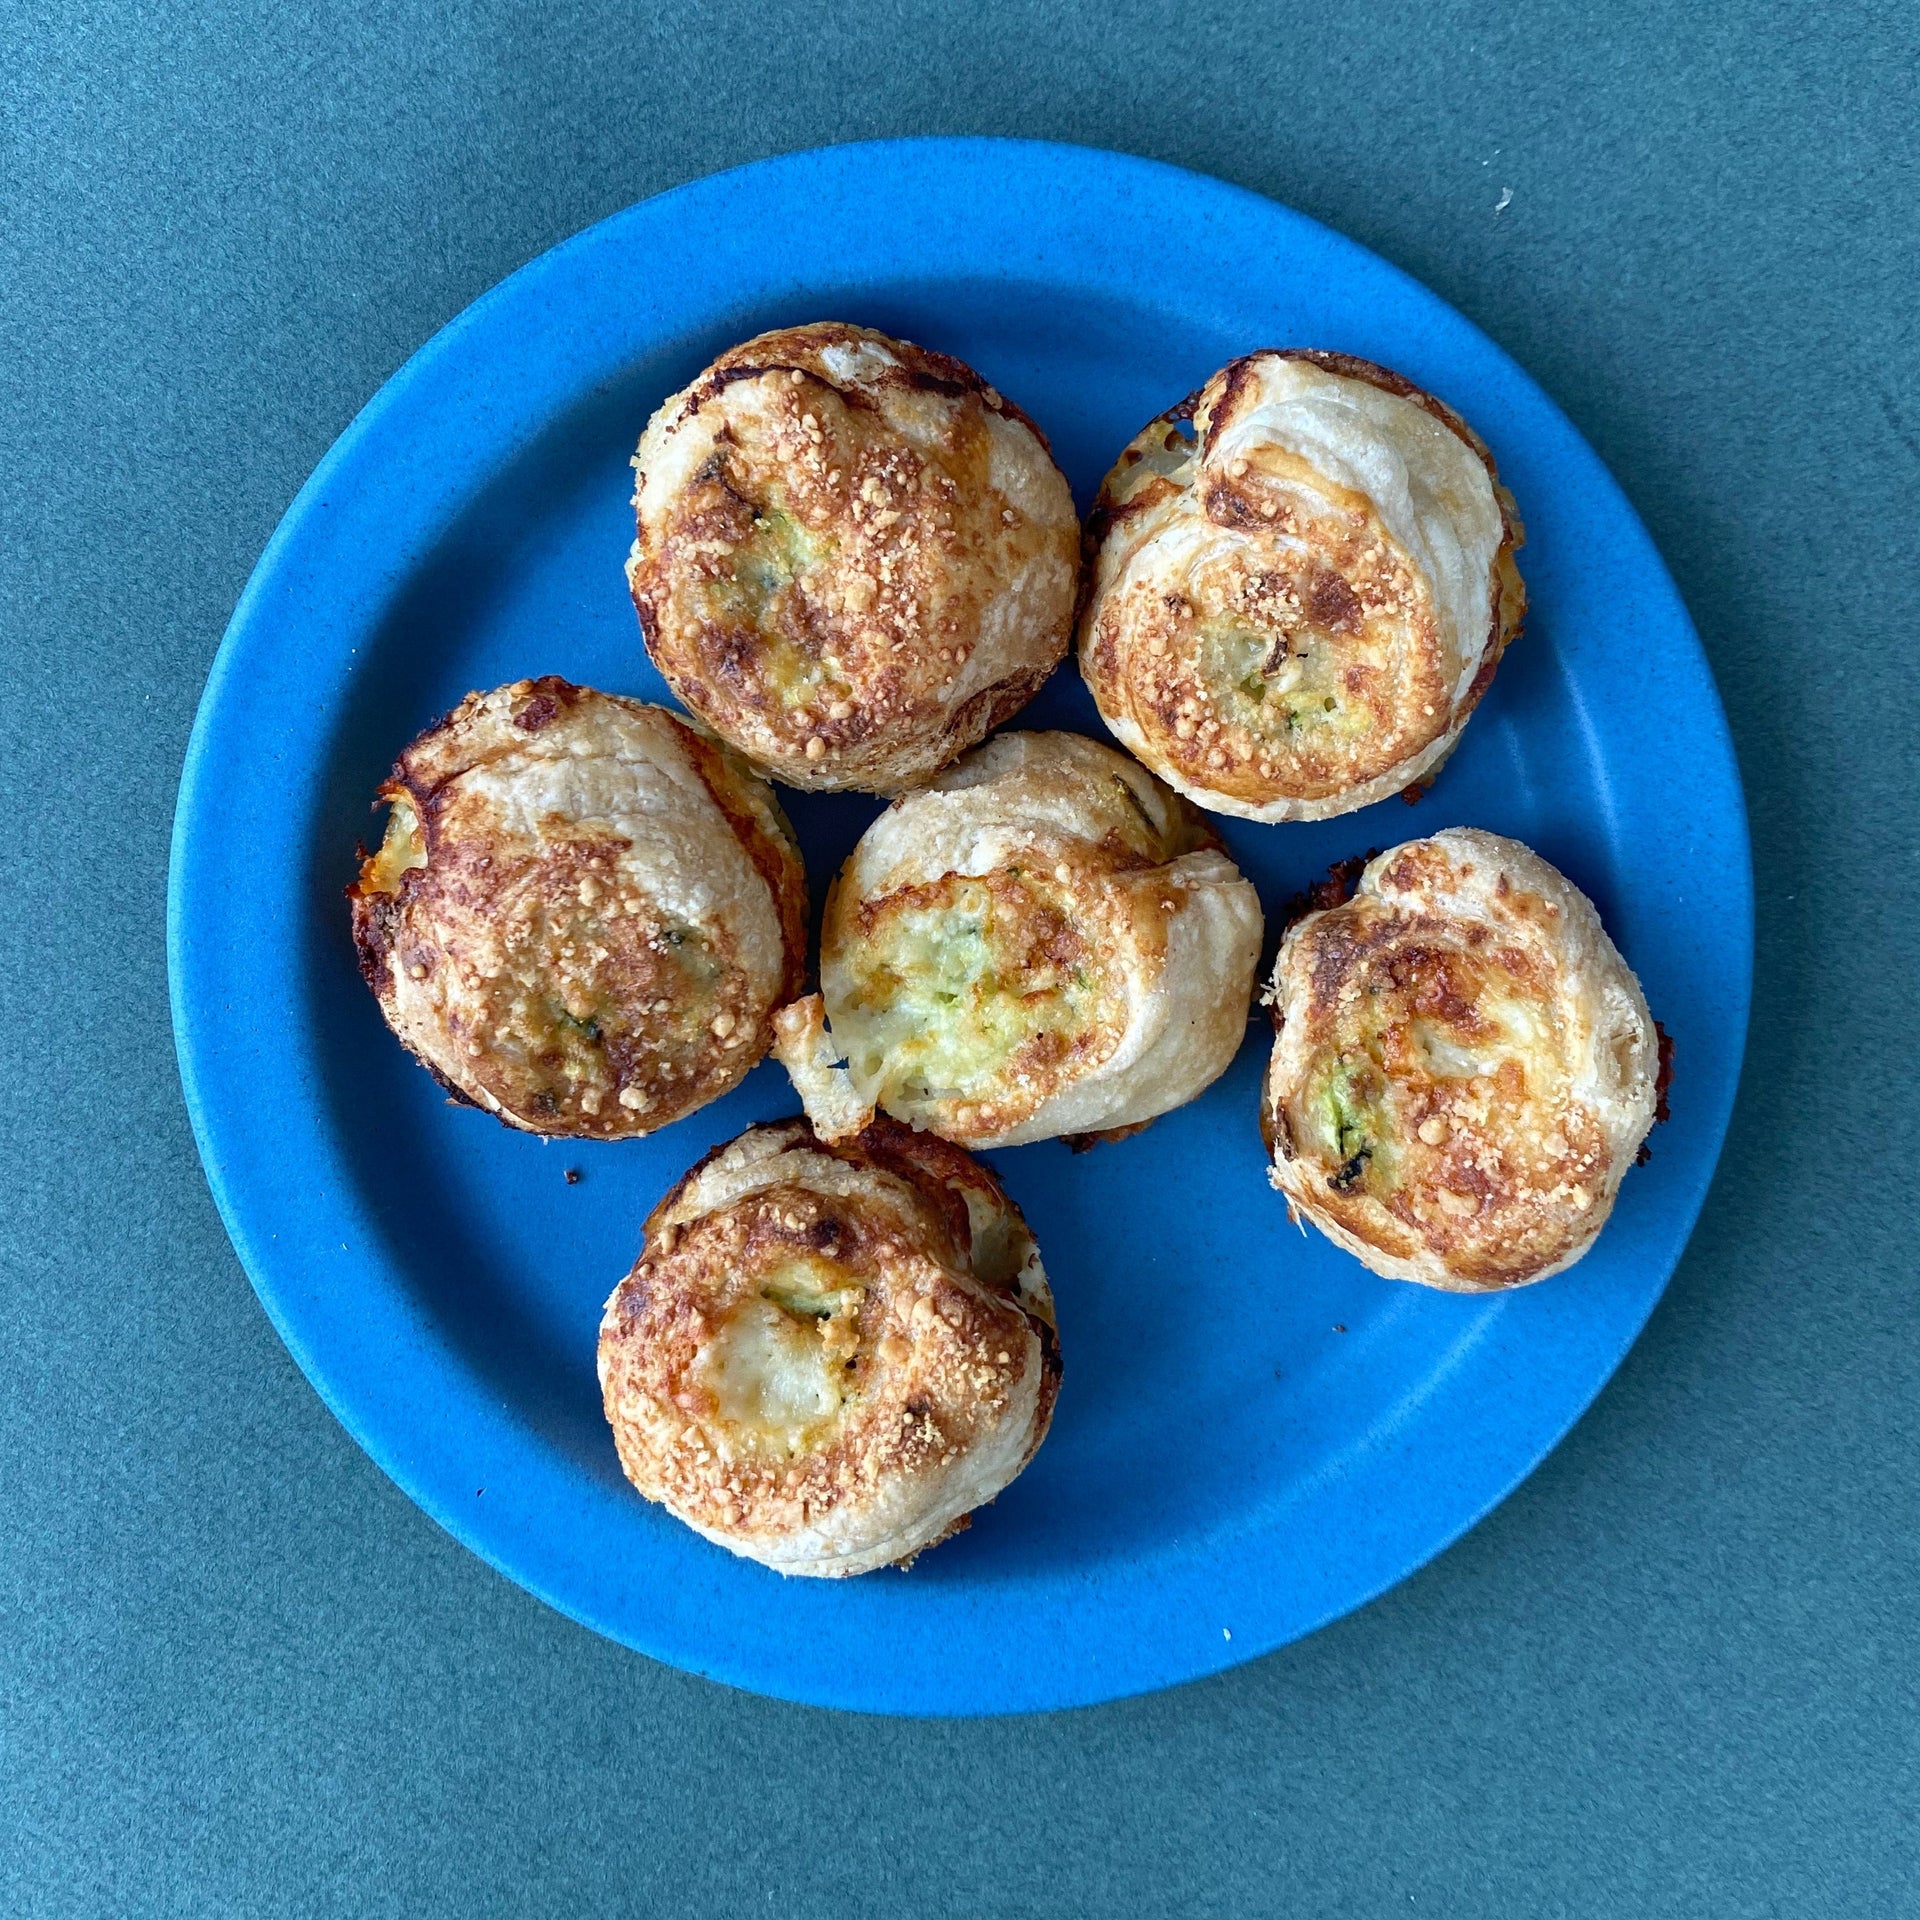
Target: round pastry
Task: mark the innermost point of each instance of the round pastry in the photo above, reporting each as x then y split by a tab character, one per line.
1042	941
1294	606
1464	1066
855	558
827	1356
583	910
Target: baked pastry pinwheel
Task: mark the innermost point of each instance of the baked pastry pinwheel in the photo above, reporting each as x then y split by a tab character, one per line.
854	557
583	912
1041	941
1298	596
827	1356
1464	1066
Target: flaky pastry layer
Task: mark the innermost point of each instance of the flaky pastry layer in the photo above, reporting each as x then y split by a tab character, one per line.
1300	584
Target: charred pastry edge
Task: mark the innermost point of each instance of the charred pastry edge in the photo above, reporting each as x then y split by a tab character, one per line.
940	1170
940	1175
770	844
1412	776
935	372
1662	1086
1104	1136
977	716
1322	896
1346	879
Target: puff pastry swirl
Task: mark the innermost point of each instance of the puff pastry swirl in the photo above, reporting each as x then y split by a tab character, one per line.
827	1356
1464	1066
583	911
854	557
1041	941
1301	582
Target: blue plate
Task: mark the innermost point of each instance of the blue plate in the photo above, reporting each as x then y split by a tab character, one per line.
1255	1434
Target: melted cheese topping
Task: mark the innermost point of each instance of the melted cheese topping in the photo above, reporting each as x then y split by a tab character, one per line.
403	847
1487	1080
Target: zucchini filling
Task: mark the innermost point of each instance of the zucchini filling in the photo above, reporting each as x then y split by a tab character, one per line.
764	593
949	994
1265	683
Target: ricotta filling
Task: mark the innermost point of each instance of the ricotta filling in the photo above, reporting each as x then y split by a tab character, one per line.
778	1366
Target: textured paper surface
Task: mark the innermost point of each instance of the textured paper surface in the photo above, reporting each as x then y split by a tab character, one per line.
239	1674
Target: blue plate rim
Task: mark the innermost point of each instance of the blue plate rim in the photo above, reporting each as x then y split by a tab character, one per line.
209	1088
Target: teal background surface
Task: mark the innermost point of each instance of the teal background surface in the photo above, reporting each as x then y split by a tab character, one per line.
1677	1672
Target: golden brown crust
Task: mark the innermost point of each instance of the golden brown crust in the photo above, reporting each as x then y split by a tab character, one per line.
1041	941
1292	611
763	830
854	557
1464	1066
583	912
826	1357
